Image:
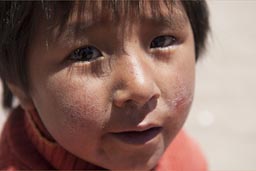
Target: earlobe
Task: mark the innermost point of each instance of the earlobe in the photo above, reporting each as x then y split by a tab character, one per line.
25	100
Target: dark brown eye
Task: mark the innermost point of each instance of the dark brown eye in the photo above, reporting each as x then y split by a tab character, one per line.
163	41
88	53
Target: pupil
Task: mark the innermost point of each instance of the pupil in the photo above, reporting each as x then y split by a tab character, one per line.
160	41
86	53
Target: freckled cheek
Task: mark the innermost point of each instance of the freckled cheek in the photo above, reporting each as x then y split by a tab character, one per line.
78	112
180	96
183	98
178	100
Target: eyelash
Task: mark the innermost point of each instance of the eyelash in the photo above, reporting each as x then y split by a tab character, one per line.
164	41
91	53
87	53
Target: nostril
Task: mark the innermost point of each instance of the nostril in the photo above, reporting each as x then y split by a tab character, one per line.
152	103
156	95
148	101
121	97
136	97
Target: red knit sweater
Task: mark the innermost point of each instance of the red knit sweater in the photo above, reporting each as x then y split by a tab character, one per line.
25	145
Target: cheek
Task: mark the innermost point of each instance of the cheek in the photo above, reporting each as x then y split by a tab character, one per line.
80	111
183	93
178	94
71	112
178	99
178	103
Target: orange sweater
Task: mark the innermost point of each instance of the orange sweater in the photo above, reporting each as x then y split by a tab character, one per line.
24	146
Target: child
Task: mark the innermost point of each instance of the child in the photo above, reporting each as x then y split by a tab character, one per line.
101	84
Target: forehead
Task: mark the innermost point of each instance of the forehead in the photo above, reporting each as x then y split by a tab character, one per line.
83	14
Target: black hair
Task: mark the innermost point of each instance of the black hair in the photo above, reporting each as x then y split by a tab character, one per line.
17	21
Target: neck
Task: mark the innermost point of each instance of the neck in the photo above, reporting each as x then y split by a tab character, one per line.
49	148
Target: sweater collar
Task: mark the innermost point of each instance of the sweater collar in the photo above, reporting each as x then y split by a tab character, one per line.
56	155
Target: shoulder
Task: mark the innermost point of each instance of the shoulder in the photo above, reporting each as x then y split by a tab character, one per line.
16	149
8	159
183	154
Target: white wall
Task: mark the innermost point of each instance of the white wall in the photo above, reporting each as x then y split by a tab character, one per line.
223	117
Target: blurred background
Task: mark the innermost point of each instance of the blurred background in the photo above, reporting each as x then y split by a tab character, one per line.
223	116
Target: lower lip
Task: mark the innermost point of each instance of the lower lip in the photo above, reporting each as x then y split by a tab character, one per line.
138	137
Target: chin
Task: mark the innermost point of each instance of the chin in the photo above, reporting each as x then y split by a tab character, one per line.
135	166
138	163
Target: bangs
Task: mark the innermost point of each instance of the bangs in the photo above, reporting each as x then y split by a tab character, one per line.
19	21
110	8
59	13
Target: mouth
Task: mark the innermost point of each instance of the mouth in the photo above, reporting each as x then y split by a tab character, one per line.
138	137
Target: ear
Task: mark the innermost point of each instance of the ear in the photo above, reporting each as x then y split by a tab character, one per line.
25	100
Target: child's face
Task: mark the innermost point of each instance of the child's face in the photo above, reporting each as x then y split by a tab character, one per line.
120	100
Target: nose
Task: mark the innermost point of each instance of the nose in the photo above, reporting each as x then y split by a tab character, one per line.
135	82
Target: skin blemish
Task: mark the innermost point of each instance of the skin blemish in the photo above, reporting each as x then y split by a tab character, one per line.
183	94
